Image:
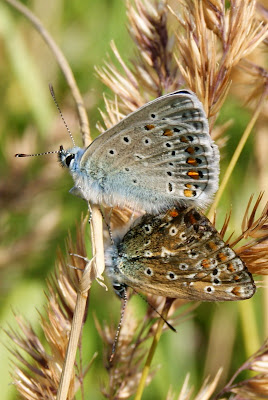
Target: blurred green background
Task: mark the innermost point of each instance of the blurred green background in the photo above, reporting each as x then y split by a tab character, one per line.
37	211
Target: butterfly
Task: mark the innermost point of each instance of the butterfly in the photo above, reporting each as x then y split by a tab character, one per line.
159	156
179	255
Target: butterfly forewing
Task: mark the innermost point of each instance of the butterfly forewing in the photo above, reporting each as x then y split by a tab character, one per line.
181	255
158	156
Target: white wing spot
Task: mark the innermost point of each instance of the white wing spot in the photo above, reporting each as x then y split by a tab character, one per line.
147	141
147	229
183	236
216	281
126	139
169	145
173	231
209	289
183	266
171	276
192	254
148	253
148	272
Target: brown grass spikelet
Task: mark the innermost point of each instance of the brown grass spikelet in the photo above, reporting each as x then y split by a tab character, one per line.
254	388
125	369
259	81
215	40
149	29
154	71
39	378
205	392
255	230
254	235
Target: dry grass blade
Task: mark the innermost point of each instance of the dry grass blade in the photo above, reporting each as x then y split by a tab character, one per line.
153	72
259	79
255	252
155	67
63	64
125	88
205	392
255	231
253	388
214	41
39	376
225	225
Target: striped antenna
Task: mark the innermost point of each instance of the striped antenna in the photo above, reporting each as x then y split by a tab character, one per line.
155	310
37	154
55	101
123	309
40	154
66	126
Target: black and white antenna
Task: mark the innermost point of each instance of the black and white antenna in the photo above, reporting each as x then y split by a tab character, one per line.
123	309
65	124
59	110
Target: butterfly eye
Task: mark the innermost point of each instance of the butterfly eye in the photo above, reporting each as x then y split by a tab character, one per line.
68	159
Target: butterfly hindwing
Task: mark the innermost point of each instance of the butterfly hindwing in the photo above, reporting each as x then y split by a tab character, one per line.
180	254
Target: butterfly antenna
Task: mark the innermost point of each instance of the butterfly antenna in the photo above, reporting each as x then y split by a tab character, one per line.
157	312
37	154
59	110
123	309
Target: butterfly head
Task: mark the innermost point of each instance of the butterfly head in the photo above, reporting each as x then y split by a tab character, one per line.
70	158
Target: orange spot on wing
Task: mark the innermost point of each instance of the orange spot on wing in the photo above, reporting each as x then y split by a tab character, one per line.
149	127
188	193
168	132
193	174
190	150
191	161
183	139
205	263
192	219
173	213
236	291
231	267
222	257
212	245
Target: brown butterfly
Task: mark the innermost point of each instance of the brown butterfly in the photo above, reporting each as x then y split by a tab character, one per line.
180	255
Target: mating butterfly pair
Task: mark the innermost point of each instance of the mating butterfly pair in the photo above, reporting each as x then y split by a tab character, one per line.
157	158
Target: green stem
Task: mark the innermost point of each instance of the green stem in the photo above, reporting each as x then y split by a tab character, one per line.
237	153
152	350
249	327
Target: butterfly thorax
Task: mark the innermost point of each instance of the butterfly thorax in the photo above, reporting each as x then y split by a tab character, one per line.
89	182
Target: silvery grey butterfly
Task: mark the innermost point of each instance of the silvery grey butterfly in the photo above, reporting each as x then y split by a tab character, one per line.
157	157
180	255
